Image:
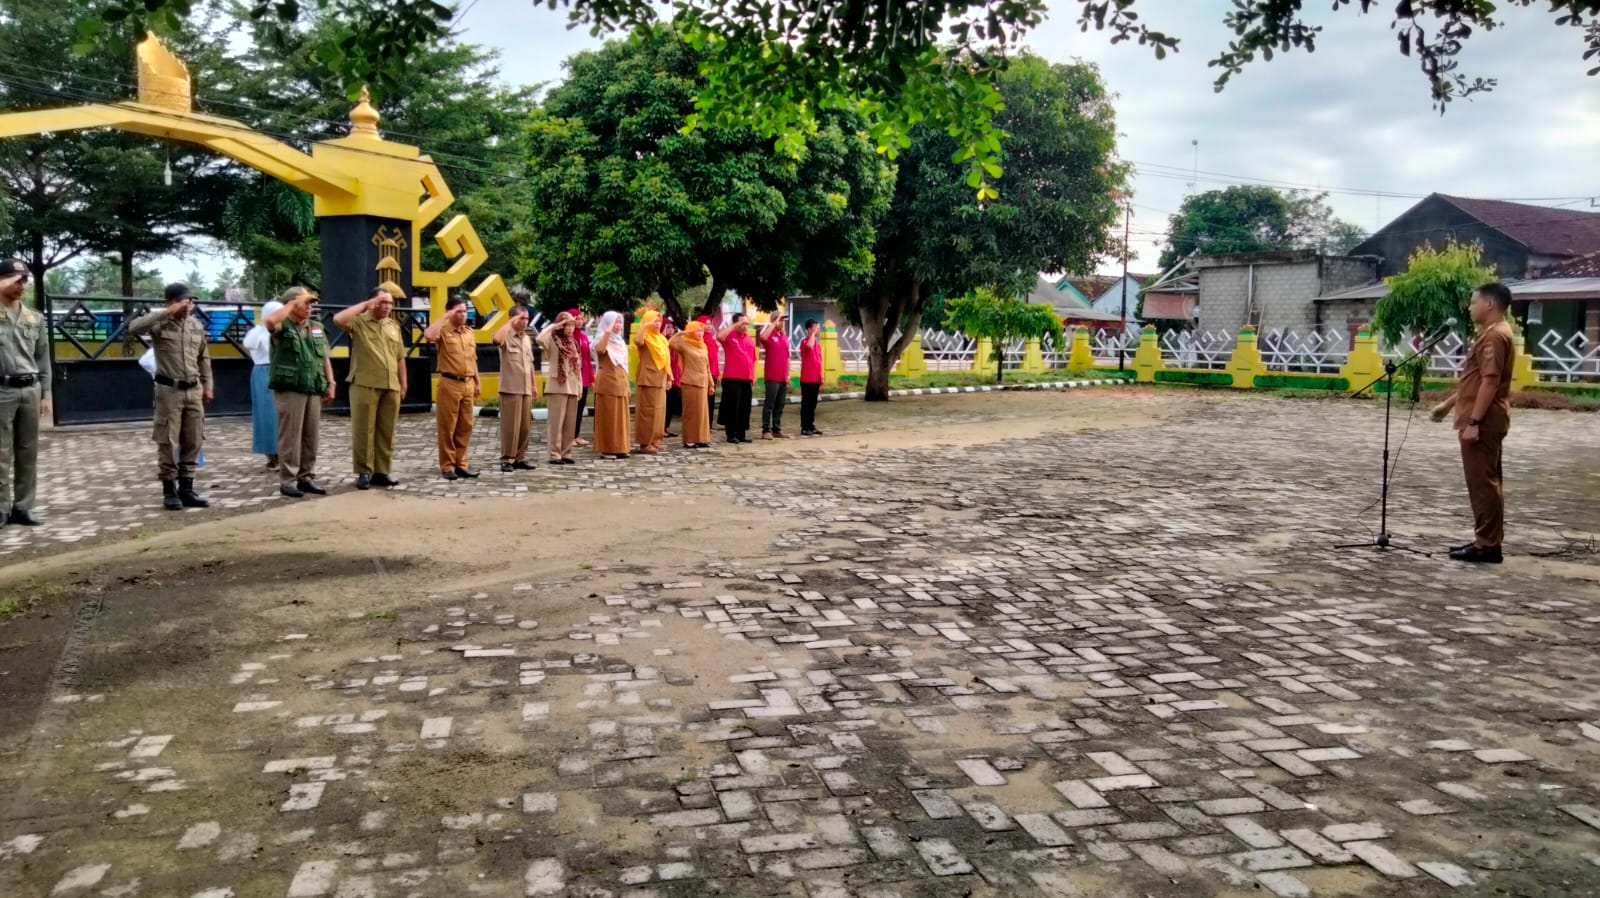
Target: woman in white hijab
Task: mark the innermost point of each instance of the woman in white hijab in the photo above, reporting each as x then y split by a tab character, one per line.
263	415
611	389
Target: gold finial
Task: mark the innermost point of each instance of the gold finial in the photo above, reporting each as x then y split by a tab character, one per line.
364	118
163	78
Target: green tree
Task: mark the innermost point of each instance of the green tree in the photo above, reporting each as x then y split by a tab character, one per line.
1250	218
777	63
938	240
985	313
626	205
1436	286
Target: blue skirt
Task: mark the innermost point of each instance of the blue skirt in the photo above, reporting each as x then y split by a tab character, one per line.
263	415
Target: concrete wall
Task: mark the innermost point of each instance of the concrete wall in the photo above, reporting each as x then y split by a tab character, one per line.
1283	290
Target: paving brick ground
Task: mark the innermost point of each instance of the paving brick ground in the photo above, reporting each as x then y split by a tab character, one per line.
1123	661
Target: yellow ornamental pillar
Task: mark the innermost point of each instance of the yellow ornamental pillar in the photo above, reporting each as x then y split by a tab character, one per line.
1522	374
1245	363
1081	357
983	358
912	363
1364	364
1147	358
832	360
1033	356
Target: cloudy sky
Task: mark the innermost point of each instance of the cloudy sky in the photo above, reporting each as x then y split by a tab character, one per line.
1353	118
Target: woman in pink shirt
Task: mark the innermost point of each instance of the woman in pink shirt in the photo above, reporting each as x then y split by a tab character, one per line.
810	378
738	377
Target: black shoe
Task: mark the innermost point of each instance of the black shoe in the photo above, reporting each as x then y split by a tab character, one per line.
505	468
1476	554
524	466
562	461
310	486
169	496
384	480
364	481
188	497
463	472
23	517
448	475
290	491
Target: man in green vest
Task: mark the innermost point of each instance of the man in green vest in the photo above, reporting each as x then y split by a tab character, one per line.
301	379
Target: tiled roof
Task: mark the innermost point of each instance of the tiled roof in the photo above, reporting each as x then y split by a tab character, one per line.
1581	267
1542	229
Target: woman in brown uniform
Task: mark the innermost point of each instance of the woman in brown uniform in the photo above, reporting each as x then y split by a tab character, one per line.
695	385
655	372
611	389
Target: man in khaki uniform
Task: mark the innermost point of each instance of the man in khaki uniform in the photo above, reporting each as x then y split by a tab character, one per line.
377	384
183	386
458	386
24	394
518	389
1482	403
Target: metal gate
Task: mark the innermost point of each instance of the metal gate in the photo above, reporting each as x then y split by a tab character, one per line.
96	378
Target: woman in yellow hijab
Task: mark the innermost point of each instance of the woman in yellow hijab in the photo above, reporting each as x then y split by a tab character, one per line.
695	385
655	373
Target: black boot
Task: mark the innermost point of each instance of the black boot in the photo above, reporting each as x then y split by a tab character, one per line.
169	496
188	496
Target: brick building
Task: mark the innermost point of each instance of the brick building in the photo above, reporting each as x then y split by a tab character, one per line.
1272	290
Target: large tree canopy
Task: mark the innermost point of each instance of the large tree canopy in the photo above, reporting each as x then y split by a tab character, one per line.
625	204
776	64
1066	190
1250	218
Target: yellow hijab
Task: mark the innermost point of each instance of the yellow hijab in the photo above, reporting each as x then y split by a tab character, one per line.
691	333
654	342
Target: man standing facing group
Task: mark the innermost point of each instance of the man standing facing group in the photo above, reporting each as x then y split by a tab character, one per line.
24	394
183	386
301	380
377	385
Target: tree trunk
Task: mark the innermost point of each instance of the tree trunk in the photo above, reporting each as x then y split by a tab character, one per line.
877	323
127	273
719	287
674	310
999	360
36	264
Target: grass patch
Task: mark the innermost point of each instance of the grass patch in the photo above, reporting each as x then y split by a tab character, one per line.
30	597
380	615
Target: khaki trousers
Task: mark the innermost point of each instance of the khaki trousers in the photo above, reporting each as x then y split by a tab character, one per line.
19	447
374	415
453	421
179	430
516	425
562	409
650	418
1480	462
299	424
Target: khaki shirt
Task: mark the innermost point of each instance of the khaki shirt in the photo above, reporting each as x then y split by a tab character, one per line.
25	344
612	379
376	348
458	351
1488	368
180	346
695	360
516	364
650	375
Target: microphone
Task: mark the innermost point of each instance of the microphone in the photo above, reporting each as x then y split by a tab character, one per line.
1443	329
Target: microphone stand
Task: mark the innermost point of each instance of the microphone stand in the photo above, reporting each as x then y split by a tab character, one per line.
1390	366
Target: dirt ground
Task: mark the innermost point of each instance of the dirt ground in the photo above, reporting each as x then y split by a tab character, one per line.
633	602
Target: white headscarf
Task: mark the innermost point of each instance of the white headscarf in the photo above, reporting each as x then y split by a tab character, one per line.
259	340
616	347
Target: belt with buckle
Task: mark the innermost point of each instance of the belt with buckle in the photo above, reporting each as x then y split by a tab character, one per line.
467	378
166	381
19	380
